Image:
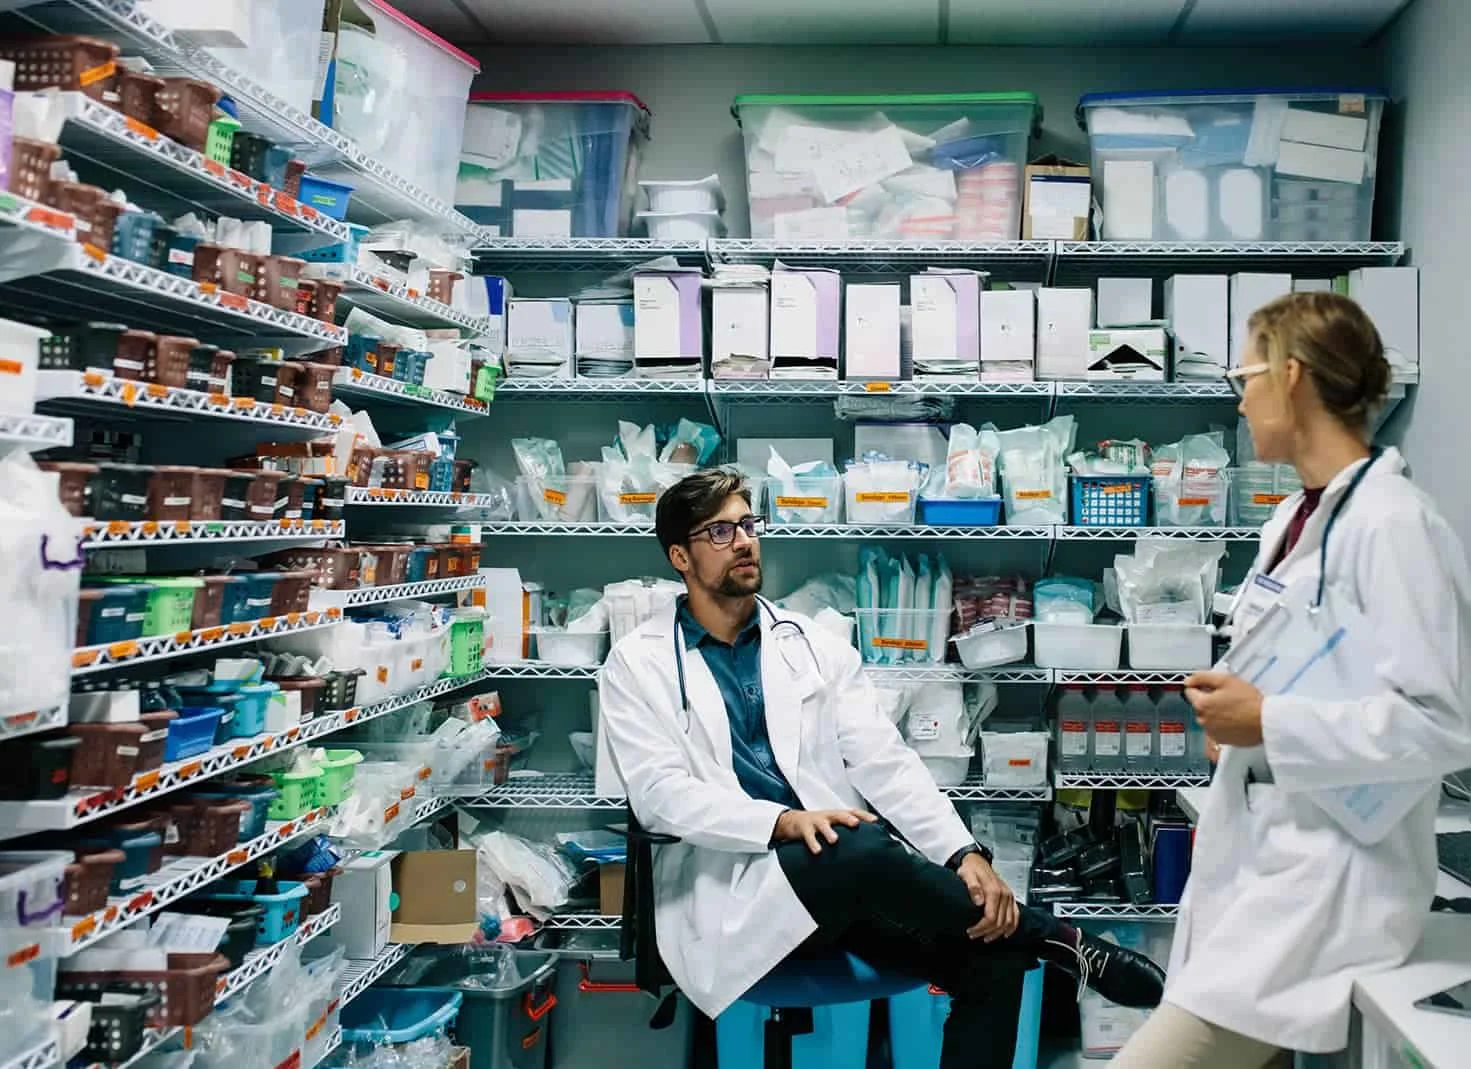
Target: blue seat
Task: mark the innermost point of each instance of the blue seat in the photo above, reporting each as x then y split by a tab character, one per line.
825	980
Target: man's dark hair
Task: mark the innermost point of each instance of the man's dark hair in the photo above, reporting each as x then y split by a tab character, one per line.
693	501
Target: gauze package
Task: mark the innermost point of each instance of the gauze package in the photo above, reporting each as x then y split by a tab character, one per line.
631	477
548	489
1168	584
691	444
938	722
1034	475
1063	600
809	493
882	491
970	465
1190	484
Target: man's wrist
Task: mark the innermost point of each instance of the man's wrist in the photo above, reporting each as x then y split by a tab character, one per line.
958	858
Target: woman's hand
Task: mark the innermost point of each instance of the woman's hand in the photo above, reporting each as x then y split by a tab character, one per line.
1227	706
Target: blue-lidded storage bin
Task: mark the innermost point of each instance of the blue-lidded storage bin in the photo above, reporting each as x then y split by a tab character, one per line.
839	1037
112	613
283	910
253	824
192	732
980	512
132	237
329	198
917	1026
340	252
362	352
1110	500
398	1014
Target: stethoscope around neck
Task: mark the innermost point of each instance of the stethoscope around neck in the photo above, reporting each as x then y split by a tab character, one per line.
794	631
1374	454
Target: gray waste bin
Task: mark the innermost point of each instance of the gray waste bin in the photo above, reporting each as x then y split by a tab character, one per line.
602	1018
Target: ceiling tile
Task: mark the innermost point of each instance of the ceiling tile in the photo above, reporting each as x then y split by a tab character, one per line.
1062	22
1215	20
655	22
791	22
446	18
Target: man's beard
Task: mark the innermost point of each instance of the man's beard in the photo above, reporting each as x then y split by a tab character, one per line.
734	585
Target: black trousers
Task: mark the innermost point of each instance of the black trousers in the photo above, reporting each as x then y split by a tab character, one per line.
873	898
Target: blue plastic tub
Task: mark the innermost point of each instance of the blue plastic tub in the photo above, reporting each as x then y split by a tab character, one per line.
981	512
253	824
180	257
192	732
114	613
442	474
1110	500
329	198
839	1037
250	710
341	252
362	352
282	915
398	1015
417	569
917	1026
132	237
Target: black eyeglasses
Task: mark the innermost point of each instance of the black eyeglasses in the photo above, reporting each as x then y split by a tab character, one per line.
722	532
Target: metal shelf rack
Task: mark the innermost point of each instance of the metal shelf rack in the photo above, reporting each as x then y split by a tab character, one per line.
403	305
378	595
20	724
1120	678
363	973
259	962
1087	911
1158	393
45	1055
581	922
1029	261
120	534
368	496
367	388
1188	534
838	531
557	255
572	389
1081	263
1120	781
81	391
89	659
19	430
735	390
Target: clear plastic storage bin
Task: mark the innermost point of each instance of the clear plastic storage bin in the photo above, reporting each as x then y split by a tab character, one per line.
1256	489
557	499
1083	647
921	167
400	93
552	164
809	501
285	38
902	636
1214	165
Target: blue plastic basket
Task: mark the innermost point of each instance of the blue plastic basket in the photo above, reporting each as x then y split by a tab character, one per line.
329	198
398	1015
1110	500
981	512
362	352
341	252
192	732
282	914
250	711
132	237
253	824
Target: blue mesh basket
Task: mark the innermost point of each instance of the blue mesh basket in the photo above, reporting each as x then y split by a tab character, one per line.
1110	500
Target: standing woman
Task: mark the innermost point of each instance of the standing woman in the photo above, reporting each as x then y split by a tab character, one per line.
1285	909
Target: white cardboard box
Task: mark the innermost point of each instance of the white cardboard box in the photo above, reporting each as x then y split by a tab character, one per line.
1198	310
1138	354
871	337
1312	285
1064	318
605	328
1249	291
946	315
1125	302
1008	326
364	889
540	324
1128	199
739	323
805	321
1391	297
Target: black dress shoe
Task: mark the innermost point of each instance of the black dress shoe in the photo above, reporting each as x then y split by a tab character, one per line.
1123	976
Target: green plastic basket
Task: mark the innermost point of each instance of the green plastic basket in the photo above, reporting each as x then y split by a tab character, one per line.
338	769
298	794
221	139
467	643
170	607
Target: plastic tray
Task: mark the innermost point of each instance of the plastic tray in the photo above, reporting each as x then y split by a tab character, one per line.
991	648
193	732
1169	647
902	636
32	885
982	512
1110	500
1083	647
398	1015
329	198
283	910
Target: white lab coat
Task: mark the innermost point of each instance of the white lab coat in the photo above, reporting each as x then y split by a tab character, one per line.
725	914
1283	908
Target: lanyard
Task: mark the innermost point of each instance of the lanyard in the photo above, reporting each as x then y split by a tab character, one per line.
1333	518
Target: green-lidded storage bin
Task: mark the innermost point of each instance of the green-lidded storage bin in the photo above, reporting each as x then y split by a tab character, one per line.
221	140
338	769
467	641
298	795
800	151
170	607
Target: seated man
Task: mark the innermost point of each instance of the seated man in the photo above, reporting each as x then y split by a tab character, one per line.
756	738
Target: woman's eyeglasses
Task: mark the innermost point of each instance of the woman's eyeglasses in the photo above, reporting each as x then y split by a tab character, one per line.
722	532
1237	376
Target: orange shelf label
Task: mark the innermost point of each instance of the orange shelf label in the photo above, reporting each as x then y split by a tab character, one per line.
146	782
240	627
218	399
240	179
149	527
285	204
801	502
118	527
93	75
129	393
901	644
192	769
382	674
142	901
237	857
877	387
119	650
97	253
351	715
243	402
391	813
93	379
289	828
214	167
1268	499
407	793
183	638
1033	495
82	658
211	634
1194	502
637	499
425	772
292	733
554	497
308	212
268	623
23	956
293	618
895	497
109	915
48	217
154	389
208	287
417	664
142	129
235	301
240	753
83	928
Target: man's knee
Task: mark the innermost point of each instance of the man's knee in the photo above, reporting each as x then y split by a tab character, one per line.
859	851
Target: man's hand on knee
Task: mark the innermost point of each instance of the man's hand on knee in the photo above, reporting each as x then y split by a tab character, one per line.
813	826
1001	914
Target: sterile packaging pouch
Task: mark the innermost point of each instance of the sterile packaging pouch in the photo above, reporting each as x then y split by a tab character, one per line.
1034	472
970	465
803	494
882	492
1014	758
42	545
937	723
1191	487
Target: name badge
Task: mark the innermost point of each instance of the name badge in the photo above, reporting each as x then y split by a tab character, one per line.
1258	595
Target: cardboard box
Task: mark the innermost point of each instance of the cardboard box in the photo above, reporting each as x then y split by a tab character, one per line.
604	328
540	324
1391	297
1008	326
1139	354
436	897
610	888
945	317
1125	302
364	890
739	324
805	317
668	329
1057	200
1064	318
1312	285
871	338
1249	291
1198	310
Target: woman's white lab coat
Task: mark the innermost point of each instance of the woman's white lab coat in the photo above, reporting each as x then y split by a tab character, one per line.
725	914
1283	909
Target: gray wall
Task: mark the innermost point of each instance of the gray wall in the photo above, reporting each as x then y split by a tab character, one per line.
689	88
1428	145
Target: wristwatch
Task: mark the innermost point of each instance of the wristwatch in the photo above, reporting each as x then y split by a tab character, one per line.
964	852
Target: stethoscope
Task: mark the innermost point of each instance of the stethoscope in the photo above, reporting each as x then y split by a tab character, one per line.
1353	485
777	622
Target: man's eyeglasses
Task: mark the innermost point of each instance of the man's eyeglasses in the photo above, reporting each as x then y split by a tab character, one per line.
1237	376
722	532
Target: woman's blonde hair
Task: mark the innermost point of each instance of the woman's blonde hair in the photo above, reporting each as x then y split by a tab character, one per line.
1335	341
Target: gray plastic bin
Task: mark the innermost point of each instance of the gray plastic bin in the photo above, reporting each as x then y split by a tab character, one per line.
602	1017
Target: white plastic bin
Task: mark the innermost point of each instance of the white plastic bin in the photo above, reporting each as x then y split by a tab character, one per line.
987	649
922	167
552	164
27	985
20	346
1083	647
400	93
1014	758
571	649
32	887
1210	165
879	508
808	502
1169	647
902	636
557	499
947	770
285	40
681	226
